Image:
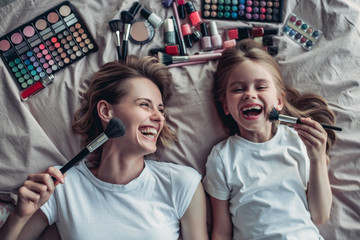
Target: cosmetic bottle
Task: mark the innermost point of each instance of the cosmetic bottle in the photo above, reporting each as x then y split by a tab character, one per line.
153	18
206	39
195	35
181	9
194	15
215	37
169	32
186	31
259	31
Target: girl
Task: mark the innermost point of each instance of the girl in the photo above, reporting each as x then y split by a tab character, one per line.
122	195
267	181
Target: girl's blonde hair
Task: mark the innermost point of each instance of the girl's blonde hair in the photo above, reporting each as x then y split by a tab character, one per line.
295	103
110	83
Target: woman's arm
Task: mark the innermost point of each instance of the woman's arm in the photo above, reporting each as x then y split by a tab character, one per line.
193	223
27	219
221	220
319	191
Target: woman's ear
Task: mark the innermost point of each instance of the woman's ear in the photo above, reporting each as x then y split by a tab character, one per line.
104	110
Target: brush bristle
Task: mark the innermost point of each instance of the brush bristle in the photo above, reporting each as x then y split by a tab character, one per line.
115	128
126	17
165	58
116	25
274	115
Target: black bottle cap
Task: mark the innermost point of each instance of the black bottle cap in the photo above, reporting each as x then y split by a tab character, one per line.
271	31
268	40
145	13
190	7
196	36
181	11
187	40
203	30
272	50
134	8
243	33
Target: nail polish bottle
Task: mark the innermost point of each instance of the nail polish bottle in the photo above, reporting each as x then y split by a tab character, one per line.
206	39
153	18
196	34
181	9
169	32
194	15
186	31
215	37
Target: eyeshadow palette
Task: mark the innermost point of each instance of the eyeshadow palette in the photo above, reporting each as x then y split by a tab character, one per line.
244	10
301	32
50	42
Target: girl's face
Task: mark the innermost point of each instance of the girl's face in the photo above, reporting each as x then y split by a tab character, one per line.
142	112
250	96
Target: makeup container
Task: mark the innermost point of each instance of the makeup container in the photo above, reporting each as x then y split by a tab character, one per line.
153	18
259	31
45	45
239	33
206	39
215	37
186	30
141	31
194	15
195	35
181	9
169	32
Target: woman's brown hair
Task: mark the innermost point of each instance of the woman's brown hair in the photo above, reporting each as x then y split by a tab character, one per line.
295	103
110	83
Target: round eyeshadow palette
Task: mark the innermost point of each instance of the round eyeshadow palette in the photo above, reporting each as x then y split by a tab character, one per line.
245	10
301	32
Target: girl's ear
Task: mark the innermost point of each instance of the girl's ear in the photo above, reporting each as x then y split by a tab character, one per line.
105	110
281	102
225	107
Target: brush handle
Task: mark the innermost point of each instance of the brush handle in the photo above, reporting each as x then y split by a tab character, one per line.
331	127
119	52
124	49
81	155
204	56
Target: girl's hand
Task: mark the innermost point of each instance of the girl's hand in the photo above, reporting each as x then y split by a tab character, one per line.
314	137
36	191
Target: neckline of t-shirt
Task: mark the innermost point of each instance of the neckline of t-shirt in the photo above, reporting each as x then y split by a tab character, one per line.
263	145
134	184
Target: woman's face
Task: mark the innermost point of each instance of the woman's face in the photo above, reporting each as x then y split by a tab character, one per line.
250	96
142	112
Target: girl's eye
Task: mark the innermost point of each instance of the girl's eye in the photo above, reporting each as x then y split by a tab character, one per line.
262	87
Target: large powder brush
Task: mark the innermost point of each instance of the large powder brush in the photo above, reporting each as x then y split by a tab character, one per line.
275	116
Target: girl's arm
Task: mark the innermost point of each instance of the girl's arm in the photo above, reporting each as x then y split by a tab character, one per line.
27	220
221	225
193	223
319	191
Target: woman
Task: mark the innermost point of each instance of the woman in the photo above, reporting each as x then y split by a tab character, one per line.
121	195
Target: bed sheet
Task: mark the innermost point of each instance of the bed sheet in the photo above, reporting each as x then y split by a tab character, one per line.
37	133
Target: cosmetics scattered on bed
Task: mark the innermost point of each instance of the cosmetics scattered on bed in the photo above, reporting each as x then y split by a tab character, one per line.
52	41
301	32
245	10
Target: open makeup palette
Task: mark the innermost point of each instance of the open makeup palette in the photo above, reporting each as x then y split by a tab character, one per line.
45	45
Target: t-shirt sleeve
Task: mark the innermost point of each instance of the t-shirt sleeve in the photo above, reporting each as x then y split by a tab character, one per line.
185	181
215	181
50	209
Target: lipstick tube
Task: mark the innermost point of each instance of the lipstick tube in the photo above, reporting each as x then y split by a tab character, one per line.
43	83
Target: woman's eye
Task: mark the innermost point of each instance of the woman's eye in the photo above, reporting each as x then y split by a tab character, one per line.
145	105
162	110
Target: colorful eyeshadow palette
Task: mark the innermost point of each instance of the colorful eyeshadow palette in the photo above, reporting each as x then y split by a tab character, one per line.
45	45
244	10
301	32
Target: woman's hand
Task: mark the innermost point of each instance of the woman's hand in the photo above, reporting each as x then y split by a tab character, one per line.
36	191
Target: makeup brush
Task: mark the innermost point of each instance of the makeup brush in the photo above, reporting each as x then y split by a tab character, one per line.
126	18
168	59
275	116
116	27
114	129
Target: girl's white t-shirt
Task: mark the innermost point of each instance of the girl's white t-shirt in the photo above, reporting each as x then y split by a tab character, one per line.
265	184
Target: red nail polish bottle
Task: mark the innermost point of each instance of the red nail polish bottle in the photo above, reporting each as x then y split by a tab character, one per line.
194	15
